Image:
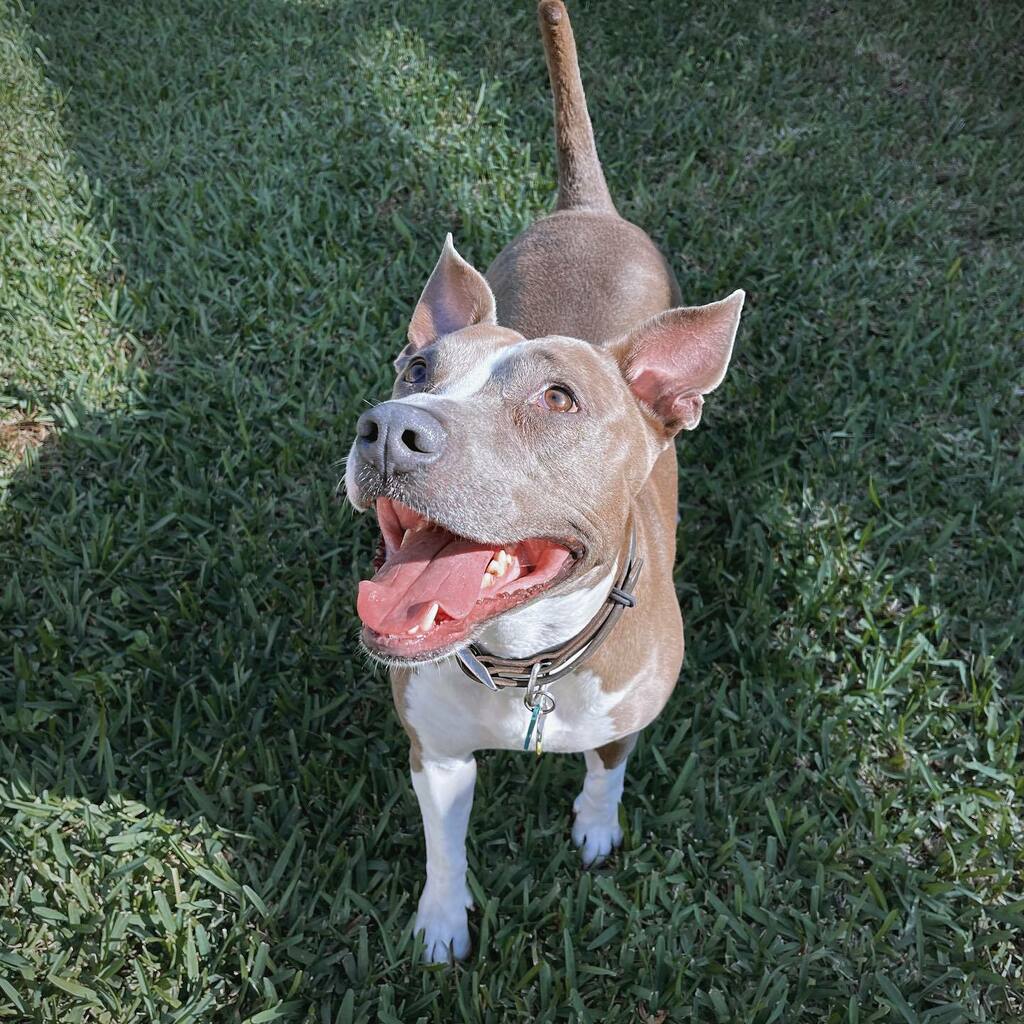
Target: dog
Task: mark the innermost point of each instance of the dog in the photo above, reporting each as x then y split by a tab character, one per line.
524	479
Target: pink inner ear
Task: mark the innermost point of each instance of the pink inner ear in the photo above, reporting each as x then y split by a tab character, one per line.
680	355
456	296
444	310
680	412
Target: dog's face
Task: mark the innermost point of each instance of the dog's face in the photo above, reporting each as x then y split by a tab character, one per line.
502	469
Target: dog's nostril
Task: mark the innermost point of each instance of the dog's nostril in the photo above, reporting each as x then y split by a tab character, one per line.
411	441
369	431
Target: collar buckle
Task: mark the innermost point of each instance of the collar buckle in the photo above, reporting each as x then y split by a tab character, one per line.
475	668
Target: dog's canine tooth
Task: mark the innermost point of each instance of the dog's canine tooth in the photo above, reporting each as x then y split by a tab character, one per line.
405	537
427	622
496	567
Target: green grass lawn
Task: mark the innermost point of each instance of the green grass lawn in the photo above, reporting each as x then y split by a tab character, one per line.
214	220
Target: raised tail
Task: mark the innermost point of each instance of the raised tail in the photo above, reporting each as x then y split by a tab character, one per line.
581	184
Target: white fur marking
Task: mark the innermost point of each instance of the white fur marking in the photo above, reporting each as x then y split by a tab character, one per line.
596	828
547	622
468	384
351	484
453	716
444	788
476	379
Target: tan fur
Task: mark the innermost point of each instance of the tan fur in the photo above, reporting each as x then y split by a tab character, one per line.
581	183
577	296
582	272
658	630
450	300
593	275
614	753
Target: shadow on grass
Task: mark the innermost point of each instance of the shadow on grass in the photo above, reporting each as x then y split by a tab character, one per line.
276	211
185	632
269	264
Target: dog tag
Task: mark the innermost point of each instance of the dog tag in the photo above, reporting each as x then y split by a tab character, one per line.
534	717
540	726
540	704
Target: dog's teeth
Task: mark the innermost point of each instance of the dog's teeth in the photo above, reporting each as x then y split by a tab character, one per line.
414	630
487	580
496	567
429	615
405	537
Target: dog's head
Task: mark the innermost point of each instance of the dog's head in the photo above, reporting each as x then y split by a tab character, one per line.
502	468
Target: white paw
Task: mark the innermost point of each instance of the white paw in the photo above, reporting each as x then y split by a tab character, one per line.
444	924
596	835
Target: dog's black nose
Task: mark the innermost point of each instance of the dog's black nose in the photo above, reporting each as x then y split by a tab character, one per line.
396	437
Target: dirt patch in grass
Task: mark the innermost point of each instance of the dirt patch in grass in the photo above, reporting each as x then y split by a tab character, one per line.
19	433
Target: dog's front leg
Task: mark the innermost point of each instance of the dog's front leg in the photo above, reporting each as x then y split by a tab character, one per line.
596	828
444	788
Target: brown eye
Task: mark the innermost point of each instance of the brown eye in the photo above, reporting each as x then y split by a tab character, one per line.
415	372
557	399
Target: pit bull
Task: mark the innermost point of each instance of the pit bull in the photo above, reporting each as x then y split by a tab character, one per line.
523	474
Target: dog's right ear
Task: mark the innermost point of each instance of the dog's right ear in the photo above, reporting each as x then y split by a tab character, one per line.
674	359
456	296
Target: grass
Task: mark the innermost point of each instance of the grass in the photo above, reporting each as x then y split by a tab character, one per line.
213	222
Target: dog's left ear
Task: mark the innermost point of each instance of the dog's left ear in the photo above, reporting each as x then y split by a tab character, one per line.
456	296
672	360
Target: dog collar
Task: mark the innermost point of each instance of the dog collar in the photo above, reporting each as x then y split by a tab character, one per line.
554	662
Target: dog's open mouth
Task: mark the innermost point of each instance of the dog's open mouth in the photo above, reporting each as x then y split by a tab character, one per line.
434	587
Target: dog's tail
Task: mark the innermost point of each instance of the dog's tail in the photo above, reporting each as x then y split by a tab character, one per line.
581	183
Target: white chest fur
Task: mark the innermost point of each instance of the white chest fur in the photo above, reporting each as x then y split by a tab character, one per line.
453	715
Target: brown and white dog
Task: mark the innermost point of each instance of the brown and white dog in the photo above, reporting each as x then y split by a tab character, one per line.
523	464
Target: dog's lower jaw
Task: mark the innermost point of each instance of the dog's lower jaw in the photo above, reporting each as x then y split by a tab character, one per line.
444	789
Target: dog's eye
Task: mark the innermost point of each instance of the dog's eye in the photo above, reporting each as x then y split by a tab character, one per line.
558	399
415	372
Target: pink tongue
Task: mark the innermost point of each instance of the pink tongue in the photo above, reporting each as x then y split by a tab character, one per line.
432	566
